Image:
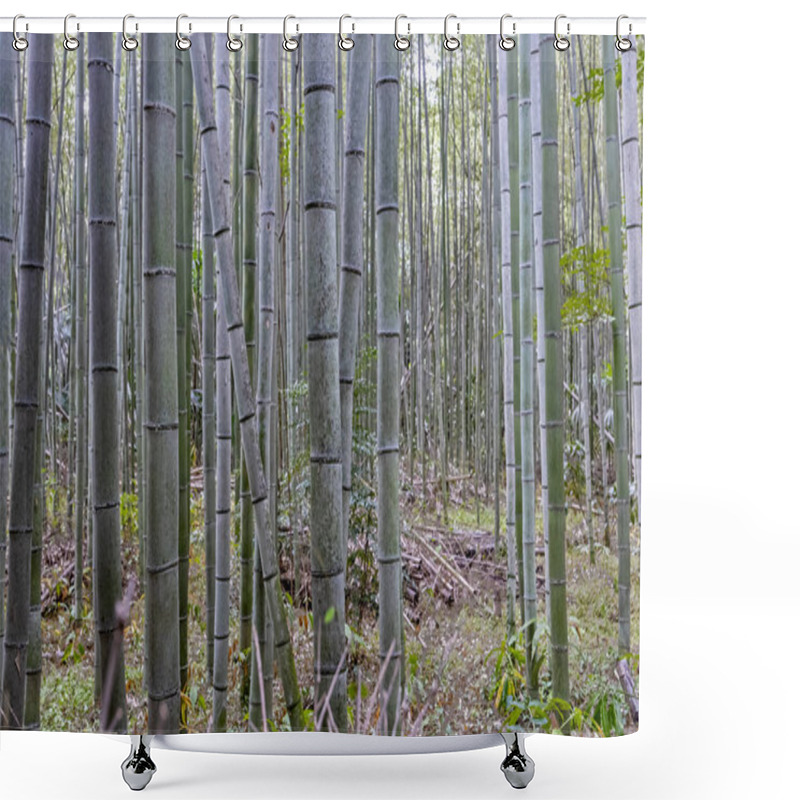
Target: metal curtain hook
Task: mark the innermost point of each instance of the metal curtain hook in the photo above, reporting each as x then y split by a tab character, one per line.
451	42
20	43
182	42
561	43
401	42
507	42
290	44
128	42
345	42
70	42
623	44
234	43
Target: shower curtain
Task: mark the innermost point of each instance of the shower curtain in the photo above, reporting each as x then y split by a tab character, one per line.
320	387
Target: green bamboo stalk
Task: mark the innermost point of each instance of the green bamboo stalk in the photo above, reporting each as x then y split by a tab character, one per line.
585	331
268	112
122	284
503	64
237	94
33	664
107	581
136	272
352	266
390	568
26	379
181	277
184	400
209	425
244	393
493	319
81	340
421	270
249	302
618	332
538	264
554	376
222	553
33	667
514	184
7	168
250	299
527	367
633	237
159	255
322	334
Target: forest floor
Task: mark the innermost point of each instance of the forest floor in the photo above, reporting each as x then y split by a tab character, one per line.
463	675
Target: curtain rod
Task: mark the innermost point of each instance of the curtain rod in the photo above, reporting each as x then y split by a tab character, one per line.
407	25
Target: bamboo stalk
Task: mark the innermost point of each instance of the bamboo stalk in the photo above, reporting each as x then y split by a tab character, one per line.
243	388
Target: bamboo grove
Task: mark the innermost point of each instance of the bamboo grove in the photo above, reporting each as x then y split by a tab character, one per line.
320	396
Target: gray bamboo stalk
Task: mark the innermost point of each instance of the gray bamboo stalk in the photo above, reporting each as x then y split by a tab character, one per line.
292	301
441	290
182	276
527	365
554	374
237	94
107	576
633	232
253	309
26	379
358	74
249	301
222	555
421	264
390	568
538	264
159	258
514	184
48	375
270	174
493	268
33	665
249	183
618	332
188	132
322	335
124	226
80	330
8	69
585	330
209	425
244	393
136	272
508	337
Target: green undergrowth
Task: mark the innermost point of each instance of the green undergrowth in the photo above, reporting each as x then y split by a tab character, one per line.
464	674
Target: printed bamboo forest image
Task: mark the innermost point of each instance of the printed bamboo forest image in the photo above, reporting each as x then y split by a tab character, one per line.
320	388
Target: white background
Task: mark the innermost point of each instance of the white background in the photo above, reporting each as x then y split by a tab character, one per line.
720	603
